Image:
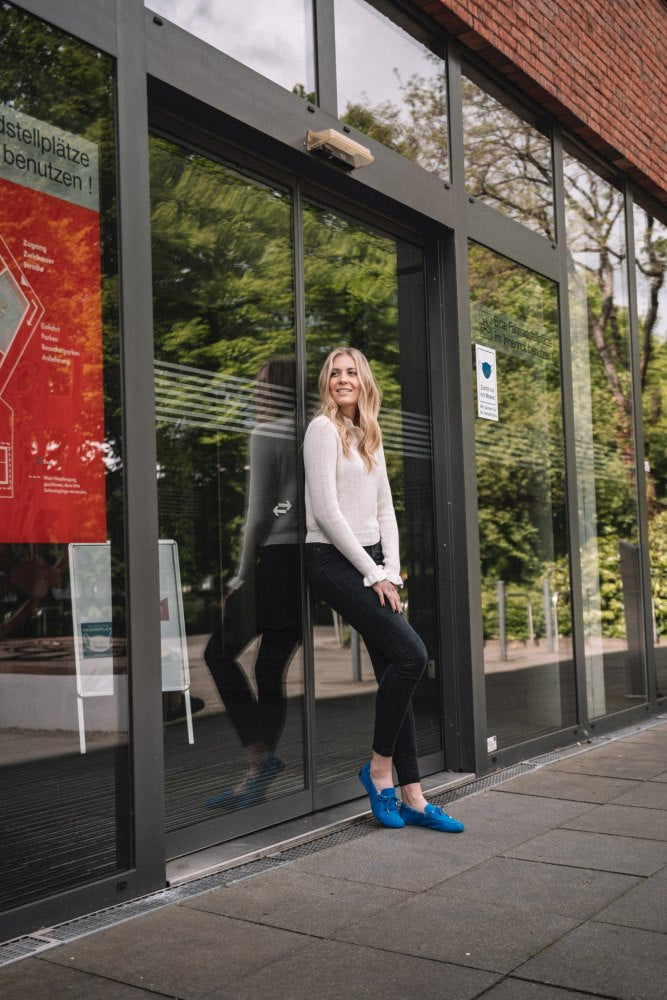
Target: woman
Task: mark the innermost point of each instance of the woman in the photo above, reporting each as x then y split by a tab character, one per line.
353	564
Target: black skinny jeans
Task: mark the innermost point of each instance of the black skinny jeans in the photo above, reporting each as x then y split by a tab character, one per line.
397	653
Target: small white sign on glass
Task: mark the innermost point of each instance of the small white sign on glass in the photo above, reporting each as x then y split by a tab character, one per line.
487	384
175	663
90	583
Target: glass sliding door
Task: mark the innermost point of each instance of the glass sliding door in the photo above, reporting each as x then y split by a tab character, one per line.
242	747
367	290
521	489
228	500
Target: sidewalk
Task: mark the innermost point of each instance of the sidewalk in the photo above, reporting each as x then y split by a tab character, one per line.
557	890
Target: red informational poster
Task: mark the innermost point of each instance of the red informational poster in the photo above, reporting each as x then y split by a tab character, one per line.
52	472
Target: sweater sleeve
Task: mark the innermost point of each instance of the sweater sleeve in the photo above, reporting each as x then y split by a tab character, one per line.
320	456
260	499
388	525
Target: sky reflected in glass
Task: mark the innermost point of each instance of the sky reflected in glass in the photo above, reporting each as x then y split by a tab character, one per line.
276	38
399	96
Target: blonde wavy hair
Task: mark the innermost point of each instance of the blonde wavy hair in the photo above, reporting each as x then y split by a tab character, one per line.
370	397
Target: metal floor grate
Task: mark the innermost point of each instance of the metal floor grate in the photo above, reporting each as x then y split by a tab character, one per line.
71	930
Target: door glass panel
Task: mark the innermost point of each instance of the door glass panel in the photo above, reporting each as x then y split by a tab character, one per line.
521	490
507	157
275	38
64	763
368	290
227	483
604	439
399	96
650	267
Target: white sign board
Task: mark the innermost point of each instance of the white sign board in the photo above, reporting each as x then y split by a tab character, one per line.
90	583
175	666
487	385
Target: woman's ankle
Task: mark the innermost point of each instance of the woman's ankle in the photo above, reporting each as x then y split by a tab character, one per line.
382	774
413	796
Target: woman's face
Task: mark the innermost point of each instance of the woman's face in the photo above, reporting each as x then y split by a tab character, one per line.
344	385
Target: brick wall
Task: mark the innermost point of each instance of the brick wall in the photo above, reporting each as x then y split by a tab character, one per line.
599	66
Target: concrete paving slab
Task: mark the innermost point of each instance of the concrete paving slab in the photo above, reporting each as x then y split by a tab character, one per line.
622	821
644	906
526	815
332	970
650	795
518	989
533	886
640	751
612	765
656	735
619	962
580	849
33	979
412	859
471	932
178	951
574	787
299	901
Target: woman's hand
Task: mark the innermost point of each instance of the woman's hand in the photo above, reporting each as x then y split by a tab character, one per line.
387	594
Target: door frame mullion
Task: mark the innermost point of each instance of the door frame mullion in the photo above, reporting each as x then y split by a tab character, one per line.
310	720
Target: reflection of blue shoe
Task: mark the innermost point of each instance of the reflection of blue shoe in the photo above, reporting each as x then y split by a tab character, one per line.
226	797
384	804
254	789
433	818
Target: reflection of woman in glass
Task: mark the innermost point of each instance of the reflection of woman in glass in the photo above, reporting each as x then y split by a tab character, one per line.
264	598
353	563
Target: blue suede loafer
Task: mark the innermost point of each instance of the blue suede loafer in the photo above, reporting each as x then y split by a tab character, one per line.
384	805
433	818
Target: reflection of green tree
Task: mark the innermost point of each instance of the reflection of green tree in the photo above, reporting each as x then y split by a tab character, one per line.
417	127
600	333
520	464
651	262
350	280
224	302
508	161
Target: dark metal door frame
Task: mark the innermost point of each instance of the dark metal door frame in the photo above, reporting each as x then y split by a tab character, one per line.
190	129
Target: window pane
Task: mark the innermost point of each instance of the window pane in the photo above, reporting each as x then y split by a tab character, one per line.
604	439
227	483
63	666
507	160
275	38
398	96
651	264
521	492
369	289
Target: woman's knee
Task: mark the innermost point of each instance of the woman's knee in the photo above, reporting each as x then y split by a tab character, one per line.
416	656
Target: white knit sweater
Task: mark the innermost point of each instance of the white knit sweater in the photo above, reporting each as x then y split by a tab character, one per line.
348	506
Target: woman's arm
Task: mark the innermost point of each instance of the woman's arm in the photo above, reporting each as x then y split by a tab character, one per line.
320	455
388	525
